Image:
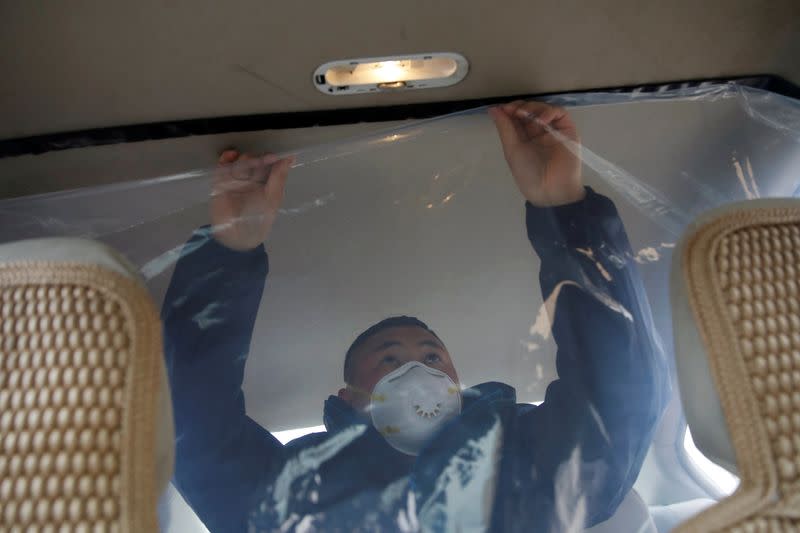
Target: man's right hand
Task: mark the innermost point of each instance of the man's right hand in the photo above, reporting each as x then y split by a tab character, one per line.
542	149
246	194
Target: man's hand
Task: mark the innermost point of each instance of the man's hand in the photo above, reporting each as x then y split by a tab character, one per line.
246	195
536	141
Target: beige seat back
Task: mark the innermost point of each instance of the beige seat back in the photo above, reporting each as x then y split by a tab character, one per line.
736	307
85	417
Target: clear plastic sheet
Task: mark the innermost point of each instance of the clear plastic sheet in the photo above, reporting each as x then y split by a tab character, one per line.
556	317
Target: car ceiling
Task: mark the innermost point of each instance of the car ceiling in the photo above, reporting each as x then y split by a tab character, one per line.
85	64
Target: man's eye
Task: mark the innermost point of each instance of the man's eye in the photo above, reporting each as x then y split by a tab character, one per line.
390	360
432	359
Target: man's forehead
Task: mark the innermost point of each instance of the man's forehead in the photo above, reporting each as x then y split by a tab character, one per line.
401	334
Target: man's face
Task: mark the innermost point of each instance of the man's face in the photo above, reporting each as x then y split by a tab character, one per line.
388	350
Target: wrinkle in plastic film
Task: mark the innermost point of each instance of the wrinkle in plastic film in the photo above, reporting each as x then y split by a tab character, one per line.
557	319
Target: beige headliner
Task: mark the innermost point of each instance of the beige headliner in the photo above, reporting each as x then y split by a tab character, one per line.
82	64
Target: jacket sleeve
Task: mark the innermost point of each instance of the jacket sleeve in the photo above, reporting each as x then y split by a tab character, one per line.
222	456
588	439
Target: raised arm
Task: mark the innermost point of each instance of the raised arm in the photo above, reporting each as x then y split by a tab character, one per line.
222	456
588	439
598	418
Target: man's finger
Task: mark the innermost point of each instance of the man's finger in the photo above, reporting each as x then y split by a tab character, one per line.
511	107
551	114
515	110
529	110
539	118
242	168
269	159
536	115
276	183
228	156
222	173
266	166
507	129
251	169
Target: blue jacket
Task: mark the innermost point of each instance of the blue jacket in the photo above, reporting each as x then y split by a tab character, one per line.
500	465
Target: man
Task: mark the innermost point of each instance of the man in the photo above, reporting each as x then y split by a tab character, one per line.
405	448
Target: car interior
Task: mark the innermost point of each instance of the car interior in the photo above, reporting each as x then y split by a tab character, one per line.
400	199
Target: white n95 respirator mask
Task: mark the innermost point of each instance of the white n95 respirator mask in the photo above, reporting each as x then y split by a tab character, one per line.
411	403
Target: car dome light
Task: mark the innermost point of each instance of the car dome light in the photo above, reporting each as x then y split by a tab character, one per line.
392	73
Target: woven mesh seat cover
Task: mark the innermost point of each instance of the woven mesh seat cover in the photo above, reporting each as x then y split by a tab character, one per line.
742	275
79	350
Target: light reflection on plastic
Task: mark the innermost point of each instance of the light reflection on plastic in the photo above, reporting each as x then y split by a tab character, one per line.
391	138
589	253
291	434
647	254
721	478
751	189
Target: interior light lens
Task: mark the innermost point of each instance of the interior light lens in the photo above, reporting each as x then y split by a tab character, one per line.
390	73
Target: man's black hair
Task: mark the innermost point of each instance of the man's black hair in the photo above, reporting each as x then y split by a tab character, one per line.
391	322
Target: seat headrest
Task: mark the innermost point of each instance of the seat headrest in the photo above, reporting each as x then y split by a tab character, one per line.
698	390
67	250
111	366
736	316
